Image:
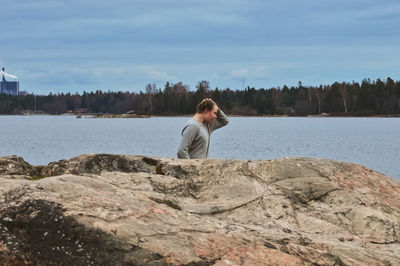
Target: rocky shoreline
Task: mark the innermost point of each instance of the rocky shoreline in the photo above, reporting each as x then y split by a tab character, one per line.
117	116
104	209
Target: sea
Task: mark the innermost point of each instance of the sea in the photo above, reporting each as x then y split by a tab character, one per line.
371	142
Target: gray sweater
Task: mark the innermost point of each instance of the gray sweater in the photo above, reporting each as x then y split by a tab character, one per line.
196	137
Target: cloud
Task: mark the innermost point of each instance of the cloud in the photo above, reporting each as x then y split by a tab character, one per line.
379	12
152	74
60	78
124	44
239	73
256	72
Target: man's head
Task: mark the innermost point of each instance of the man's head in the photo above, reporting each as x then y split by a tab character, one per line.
208	109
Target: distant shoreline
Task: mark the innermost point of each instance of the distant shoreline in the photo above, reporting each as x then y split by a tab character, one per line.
92	115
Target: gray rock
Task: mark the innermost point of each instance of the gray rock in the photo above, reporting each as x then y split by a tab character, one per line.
108	209
15	167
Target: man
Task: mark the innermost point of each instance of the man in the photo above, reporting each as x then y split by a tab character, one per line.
196	134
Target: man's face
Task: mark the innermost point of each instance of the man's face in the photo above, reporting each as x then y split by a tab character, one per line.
209	116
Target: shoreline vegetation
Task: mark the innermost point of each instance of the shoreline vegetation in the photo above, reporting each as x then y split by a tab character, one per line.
101	115
380	98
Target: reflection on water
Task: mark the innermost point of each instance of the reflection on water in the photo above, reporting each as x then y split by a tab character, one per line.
372	142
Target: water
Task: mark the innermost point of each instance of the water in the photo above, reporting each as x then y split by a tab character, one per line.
372	142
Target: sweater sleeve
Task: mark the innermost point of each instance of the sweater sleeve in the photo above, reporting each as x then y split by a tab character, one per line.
221	120
188	135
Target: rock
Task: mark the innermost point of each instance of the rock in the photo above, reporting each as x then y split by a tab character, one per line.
120	116
106	209
15	167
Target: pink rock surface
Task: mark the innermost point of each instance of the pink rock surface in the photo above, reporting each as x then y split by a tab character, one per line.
131	210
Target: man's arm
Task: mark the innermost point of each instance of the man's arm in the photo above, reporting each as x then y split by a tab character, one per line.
188	135
221	120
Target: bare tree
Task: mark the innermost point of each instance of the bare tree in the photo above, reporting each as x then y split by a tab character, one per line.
150	90
343	92
318	94
310	91
180	89
276	98
203	86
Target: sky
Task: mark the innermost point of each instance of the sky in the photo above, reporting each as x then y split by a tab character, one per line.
87	45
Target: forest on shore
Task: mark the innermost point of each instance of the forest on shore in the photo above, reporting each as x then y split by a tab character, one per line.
370	98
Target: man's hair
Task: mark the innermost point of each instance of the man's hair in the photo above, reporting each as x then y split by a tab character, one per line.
205	104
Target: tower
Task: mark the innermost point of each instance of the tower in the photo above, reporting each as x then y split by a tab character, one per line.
9	87
4	72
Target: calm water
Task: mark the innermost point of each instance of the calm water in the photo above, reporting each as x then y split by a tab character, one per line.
372	142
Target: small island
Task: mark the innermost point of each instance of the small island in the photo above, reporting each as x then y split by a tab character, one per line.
113	116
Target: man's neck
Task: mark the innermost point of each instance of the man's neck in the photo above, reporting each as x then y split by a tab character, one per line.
199	118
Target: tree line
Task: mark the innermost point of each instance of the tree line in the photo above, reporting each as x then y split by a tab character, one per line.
379	97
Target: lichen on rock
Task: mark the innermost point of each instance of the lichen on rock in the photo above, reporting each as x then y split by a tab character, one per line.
105	209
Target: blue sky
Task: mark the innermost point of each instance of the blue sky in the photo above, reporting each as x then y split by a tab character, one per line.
76	45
